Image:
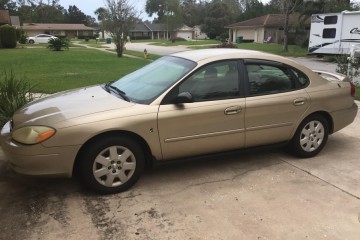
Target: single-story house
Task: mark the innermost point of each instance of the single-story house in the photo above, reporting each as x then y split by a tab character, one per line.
199	34
59	29
267	27
185	32
4	17
150	30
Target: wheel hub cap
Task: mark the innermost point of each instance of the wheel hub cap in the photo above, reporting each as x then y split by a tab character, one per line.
114	166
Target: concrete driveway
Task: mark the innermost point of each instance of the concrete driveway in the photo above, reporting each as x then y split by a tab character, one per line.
248	195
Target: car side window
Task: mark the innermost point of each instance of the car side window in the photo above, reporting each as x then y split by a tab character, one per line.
215	81
269	79
301	77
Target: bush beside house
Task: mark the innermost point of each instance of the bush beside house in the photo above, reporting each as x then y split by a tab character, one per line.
7	36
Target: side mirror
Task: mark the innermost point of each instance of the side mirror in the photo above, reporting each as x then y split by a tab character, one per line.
184	97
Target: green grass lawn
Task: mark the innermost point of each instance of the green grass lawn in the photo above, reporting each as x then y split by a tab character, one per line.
294	51
141	54
52	71
166	43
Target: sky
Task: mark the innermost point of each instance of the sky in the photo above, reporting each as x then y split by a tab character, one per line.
89	6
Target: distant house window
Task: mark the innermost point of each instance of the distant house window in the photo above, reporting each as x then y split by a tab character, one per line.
329	33
330	20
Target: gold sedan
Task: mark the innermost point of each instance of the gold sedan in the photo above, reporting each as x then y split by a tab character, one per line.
186	104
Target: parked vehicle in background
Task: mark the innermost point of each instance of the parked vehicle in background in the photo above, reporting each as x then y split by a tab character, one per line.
334	33
41	38
182	105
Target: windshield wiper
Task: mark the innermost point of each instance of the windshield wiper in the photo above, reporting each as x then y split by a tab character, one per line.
109	87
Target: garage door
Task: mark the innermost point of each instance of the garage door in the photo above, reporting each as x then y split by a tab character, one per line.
185	35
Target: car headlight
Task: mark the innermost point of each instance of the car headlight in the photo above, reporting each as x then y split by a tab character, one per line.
32	134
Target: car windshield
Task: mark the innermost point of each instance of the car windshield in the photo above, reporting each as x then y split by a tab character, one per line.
147	83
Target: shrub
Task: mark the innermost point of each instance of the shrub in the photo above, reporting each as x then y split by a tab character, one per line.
14	93
21	35
8	36
343	62
56	44
225	45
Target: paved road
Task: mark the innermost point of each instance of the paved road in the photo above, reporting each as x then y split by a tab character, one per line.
251	195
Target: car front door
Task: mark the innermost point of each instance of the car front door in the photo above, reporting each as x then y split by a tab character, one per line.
212	122
276	101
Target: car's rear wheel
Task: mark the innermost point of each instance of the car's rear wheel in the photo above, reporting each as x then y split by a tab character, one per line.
310	137
31	41
111	164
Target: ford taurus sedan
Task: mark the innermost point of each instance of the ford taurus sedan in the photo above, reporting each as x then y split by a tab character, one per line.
182	105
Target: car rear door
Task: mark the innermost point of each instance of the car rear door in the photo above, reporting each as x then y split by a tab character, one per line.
276	101
213	122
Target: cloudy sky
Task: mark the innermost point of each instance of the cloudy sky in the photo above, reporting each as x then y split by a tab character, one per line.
89	6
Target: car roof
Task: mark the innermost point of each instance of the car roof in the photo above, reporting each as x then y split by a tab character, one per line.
225	53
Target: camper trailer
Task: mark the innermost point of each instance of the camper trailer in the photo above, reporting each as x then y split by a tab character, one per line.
334	33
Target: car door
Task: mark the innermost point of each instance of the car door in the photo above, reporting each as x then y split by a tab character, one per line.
276	101
213	122
43	38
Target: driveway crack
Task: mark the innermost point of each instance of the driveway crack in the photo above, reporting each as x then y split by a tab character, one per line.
323	180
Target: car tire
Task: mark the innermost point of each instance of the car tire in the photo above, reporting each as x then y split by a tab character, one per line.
310	137
111	164
31	41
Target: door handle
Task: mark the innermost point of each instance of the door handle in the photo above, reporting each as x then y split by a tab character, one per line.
232	110
299	101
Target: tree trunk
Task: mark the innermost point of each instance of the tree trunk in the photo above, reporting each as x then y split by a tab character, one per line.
286	32
119	45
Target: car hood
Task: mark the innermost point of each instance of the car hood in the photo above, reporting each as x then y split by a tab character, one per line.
68	105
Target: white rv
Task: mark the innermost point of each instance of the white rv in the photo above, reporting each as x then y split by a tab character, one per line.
334	33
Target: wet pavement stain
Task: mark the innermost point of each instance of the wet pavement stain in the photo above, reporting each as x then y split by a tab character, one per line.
103	218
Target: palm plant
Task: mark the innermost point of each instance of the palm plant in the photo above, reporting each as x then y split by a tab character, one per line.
14	93
57	44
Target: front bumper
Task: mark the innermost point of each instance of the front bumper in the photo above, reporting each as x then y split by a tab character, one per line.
38	159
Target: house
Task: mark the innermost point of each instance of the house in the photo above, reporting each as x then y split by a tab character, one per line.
59	30
199	34
148	30
269	27
185	32
4	17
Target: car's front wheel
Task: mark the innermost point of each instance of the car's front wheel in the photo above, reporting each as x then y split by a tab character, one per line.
111	164
31	41
310	137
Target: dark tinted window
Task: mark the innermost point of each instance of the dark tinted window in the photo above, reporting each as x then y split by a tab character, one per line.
215	81
329	33
269	79
330	20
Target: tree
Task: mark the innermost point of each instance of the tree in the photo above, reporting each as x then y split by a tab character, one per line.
120	17
75	15
8	5
155	7
193	12
217	17
101	14
163	8
287	7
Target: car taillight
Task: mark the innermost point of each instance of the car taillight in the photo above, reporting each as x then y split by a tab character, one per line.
352	90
